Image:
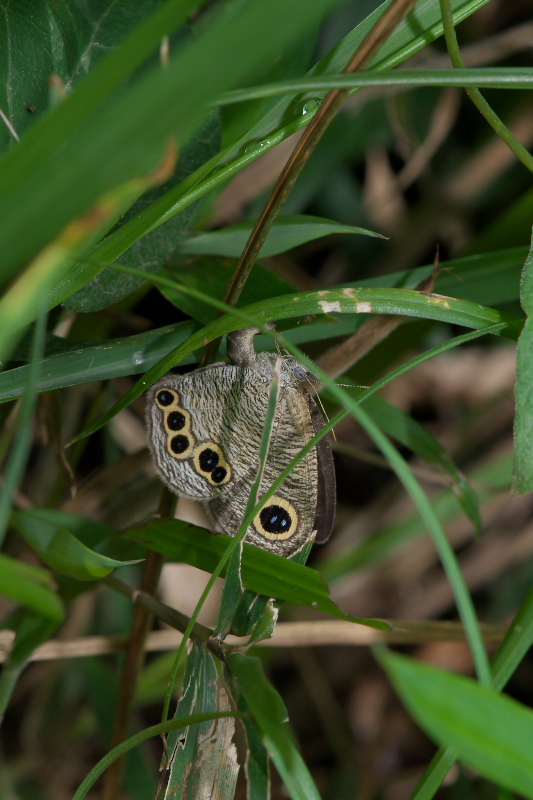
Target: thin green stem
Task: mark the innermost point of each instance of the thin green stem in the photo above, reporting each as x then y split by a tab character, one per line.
475	95
490	77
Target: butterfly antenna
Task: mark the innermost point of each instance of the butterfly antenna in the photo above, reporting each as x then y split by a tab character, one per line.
309	377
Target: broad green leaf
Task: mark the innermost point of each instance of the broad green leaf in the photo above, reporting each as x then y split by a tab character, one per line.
88	531
523	426
64	39
61	550
489	732
31	587
59	200
510	653
215	274
270	716
262	572
129	134
153	250
287	232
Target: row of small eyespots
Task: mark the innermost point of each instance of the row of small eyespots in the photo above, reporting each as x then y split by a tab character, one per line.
208	457
209	460
179	445
277	519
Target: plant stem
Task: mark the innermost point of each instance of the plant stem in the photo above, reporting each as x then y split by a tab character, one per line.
475	95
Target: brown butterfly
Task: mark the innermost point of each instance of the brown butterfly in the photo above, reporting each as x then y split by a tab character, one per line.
205	430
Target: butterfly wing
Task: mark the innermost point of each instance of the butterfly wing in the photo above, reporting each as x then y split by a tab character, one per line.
188	431
287	521
326	489
205	431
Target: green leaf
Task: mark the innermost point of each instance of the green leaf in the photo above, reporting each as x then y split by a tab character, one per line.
489	732
96	362
232	592
88	531
286	233
44	154
60	549
149	253
64	39
262	572
517	642
129	135
31	587
215	274
270	716
257	762
523	426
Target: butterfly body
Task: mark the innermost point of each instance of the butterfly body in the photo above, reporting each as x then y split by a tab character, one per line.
205	430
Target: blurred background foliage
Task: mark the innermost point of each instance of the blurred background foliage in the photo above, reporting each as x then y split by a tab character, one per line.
419	166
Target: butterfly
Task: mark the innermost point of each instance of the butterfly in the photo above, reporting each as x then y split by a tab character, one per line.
205	430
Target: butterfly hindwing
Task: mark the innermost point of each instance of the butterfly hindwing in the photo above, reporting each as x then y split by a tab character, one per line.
286	522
